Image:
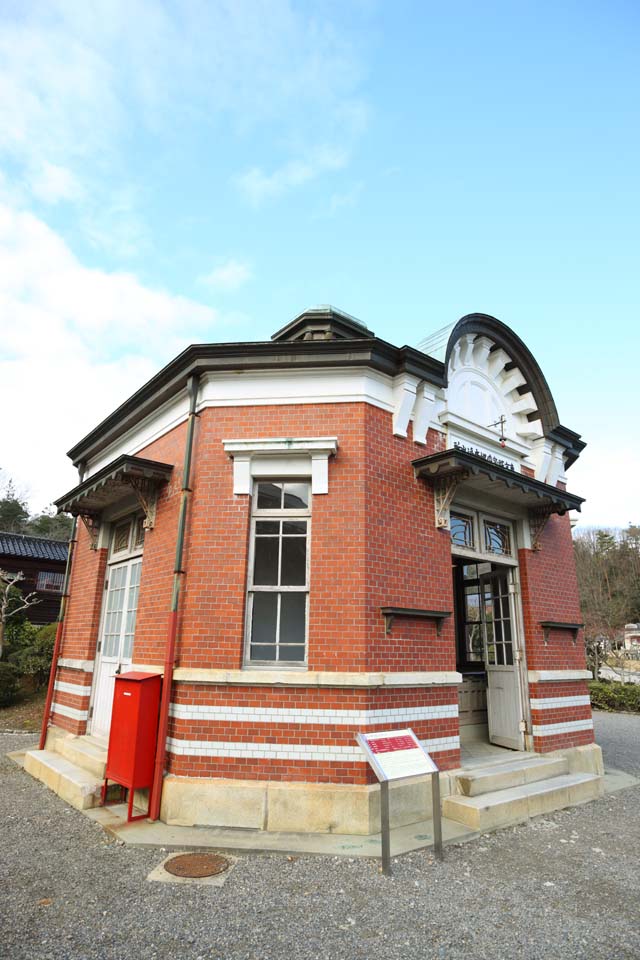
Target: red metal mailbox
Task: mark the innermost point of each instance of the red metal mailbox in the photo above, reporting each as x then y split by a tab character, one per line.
134	731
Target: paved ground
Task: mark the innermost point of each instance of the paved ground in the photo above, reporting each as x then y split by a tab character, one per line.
563	886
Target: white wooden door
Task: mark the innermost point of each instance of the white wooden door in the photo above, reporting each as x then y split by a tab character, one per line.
501	651
116	641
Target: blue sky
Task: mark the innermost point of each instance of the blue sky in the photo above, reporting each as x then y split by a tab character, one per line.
202	171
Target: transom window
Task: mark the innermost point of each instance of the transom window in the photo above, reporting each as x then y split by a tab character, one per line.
462	530
127	536
497	538
480	534
278	572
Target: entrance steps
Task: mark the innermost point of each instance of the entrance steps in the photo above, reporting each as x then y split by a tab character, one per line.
73	767
504	793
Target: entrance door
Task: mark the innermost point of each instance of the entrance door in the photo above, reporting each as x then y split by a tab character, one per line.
116	642
504	704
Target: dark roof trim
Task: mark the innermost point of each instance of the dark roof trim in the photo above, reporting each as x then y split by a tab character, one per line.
108	485
570	440
447	462
224	357
503	336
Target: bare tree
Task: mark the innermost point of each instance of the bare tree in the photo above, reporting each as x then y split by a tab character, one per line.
12	601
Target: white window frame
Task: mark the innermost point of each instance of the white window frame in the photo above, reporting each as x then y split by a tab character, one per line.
478	518
280	514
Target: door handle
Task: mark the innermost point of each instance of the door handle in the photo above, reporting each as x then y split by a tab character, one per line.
119	669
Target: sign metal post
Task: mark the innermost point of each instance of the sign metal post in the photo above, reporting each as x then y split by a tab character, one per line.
399	755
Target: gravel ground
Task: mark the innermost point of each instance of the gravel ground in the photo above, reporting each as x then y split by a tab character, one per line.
563	886
619	736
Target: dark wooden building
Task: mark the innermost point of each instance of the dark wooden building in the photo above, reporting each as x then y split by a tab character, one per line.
42	562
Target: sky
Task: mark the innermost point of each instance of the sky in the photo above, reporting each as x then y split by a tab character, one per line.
204	170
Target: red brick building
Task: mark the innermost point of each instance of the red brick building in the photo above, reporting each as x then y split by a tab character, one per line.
320	535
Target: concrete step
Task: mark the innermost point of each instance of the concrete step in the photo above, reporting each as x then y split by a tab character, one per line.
84	753
501	776
77	786
501	808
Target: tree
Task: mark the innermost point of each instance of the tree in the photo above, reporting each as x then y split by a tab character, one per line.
608	567
15	517
14	514
11	600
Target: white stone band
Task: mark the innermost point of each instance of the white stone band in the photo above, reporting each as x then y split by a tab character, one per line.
287	751
69	712
555	729
77	689
360	718
559	703
547	676
85	665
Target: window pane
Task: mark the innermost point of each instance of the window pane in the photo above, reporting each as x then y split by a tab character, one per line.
294	526
292	654
292	620
497	538
269	496
121	537
265	567
263	621
294	562
296	496
267	526
461	530
264	652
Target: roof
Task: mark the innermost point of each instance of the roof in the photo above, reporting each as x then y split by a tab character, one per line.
479	473
111	484
321	338
32	548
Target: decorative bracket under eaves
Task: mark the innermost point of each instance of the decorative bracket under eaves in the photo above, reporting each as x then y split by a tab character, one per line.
538	518
443	493
146	492
92	524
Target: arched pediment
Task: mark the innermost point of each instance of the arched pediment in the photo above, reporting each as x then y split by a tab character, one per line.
490	370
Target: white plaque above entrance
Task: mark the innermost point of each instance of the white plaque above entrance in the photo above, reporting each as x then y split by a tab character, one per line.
396	754
501	459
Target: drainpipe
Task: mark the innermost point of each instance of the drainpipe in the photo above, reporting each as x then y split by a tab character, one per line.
58	641
178	572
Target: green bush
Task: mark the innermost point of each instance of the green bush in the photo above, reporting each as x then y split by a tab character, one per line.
9	684
32	658
610	695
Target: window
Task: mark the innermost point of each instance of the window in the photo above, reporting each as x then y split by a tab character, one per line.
278	572
478	534
497	538
462	530
48	580
128	536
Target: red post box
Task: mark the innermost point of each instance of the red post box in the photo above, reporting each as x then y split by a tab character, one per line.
134	731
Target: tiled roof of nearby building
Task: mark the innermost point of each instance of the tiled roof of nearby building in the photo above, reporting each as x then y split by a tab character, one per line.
33	548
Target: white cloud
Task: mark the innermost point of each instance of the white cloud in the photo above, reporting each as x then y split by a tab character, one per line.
228	276
78	81
75	343
604	475
257	186
52	183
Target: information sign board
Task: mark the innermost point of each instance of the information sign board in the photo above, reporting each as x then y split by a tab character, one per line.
396	754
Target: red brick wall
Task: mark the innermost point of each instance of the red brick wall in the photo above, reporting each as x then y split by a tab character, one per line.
550	592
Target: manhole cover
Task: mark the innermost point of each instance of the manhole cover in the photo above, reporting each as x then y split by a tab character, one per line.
197	865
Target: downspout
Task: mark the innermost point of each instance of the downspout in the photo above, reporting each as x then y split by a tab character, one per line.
58	641
172	632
